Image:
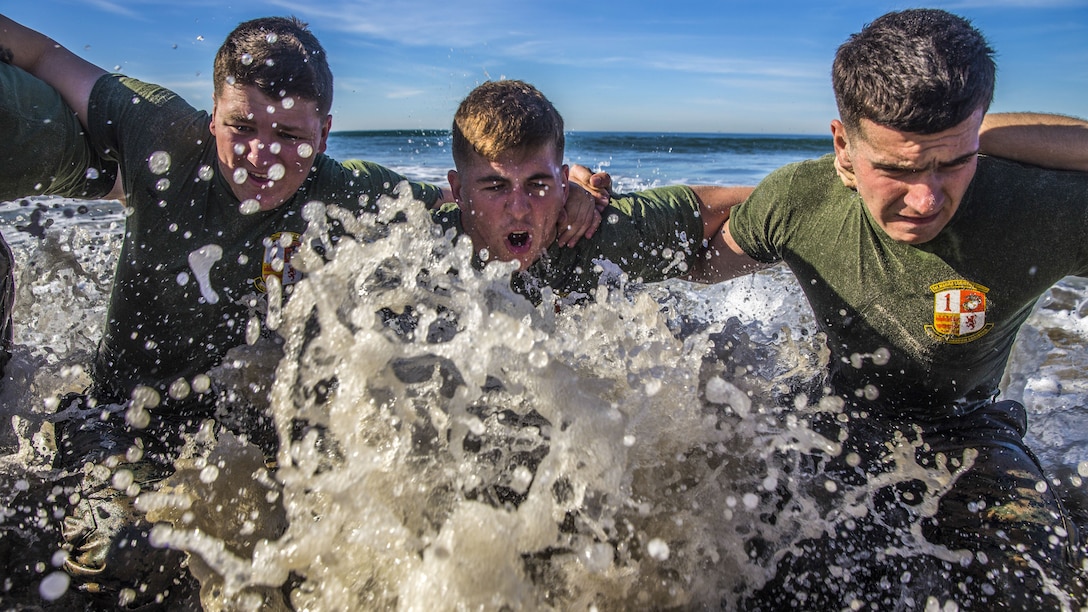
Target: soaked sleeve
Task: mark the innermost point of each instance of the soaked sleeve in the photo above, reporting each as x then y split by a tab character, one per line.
653	233
44	150
752	223
376	180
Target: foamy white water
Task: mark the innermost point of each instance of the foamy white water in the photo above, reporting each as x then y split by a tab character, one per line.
490	453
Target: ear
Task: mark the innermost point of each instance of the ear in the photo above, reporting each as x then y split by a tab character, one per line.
566	179
844	164
211	122
455	185
841	142
325	129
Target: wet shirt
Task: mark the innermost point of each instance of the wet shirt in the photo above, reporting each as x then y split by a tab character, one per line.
44	151
193	271
926	329
649	236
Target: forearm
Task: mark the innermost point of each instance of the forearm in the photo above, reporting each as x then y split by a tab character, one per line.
1050	141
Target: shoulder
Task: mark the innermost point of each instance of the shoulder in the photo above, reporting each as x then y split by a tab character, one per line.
797	184
119	88
359	183
664	203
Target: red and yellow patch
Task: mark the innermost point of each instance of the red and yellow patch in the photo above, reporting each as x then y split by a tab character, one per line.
959	312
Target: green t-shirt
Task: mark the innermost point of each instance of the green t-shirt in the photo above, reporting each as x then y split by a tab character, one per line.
648	235
928	327
44	151
191	271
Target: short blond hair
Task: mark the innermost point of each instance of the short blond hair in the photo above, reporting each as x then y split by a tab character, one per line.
501	116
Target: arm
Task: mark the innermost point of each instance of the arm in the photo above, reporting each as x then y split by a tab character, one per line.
723	259
714	205
39	55
1050	141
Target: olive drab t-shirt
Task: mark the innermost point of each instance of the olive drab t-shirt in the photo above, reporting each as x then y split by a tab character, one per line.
925	329
44	151
649	235
191	273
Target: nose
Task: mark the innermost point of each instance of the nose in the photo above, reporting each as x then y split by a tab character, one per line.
925	195
259	153
517	204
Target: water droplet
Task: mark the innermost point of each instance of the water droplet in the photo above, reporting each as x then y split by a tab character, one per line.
250	206
54	586
305	150
272	37
122	479
276	172
179	389
751	501
239	149
274	148
240	176
92	173
162	184
209	474
205	173
201	262
202	383
288	102
247	59
159	162
658	549
270	109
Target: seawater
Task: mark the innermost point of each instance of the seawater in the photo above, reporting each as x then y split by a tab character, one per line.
446	445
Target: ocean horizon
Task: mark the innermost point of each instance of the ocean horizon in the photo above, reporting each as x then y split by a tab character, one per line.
636	160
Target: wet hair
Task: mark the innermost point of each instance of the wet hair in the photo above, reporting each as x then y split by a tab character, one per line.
501	116
921	71
280	57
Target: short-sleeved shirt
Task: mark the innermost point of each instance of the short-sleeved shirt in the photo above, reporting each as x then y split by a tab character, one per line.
191	274
648	235
925	329
44	151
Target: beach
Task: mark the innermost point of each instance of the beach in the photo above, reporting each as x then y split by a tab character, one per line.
626	454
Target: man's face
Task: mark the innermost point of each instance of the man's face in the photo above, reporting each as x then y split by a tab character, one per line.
510	206
912	184
266	147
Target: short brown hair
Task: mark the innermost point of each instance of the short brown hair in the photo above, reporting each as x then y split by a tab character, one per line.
280	57
921	71
500	116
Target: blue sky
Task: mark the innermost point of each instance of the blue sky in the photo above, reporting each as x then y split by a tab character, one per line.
750	67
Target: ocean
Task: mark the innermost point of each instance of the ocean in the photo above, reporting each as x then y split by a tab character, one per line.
636	453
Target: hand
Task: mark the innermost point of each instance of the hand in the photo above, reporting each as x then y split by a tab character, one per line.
579	218
846	174
598	184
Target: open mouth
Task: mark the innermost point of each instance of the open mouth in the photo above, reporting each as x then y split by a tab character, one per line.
519	241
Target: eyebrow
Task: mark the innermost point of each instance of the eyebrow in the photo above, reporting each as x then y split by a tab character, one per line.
908	168
496	178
